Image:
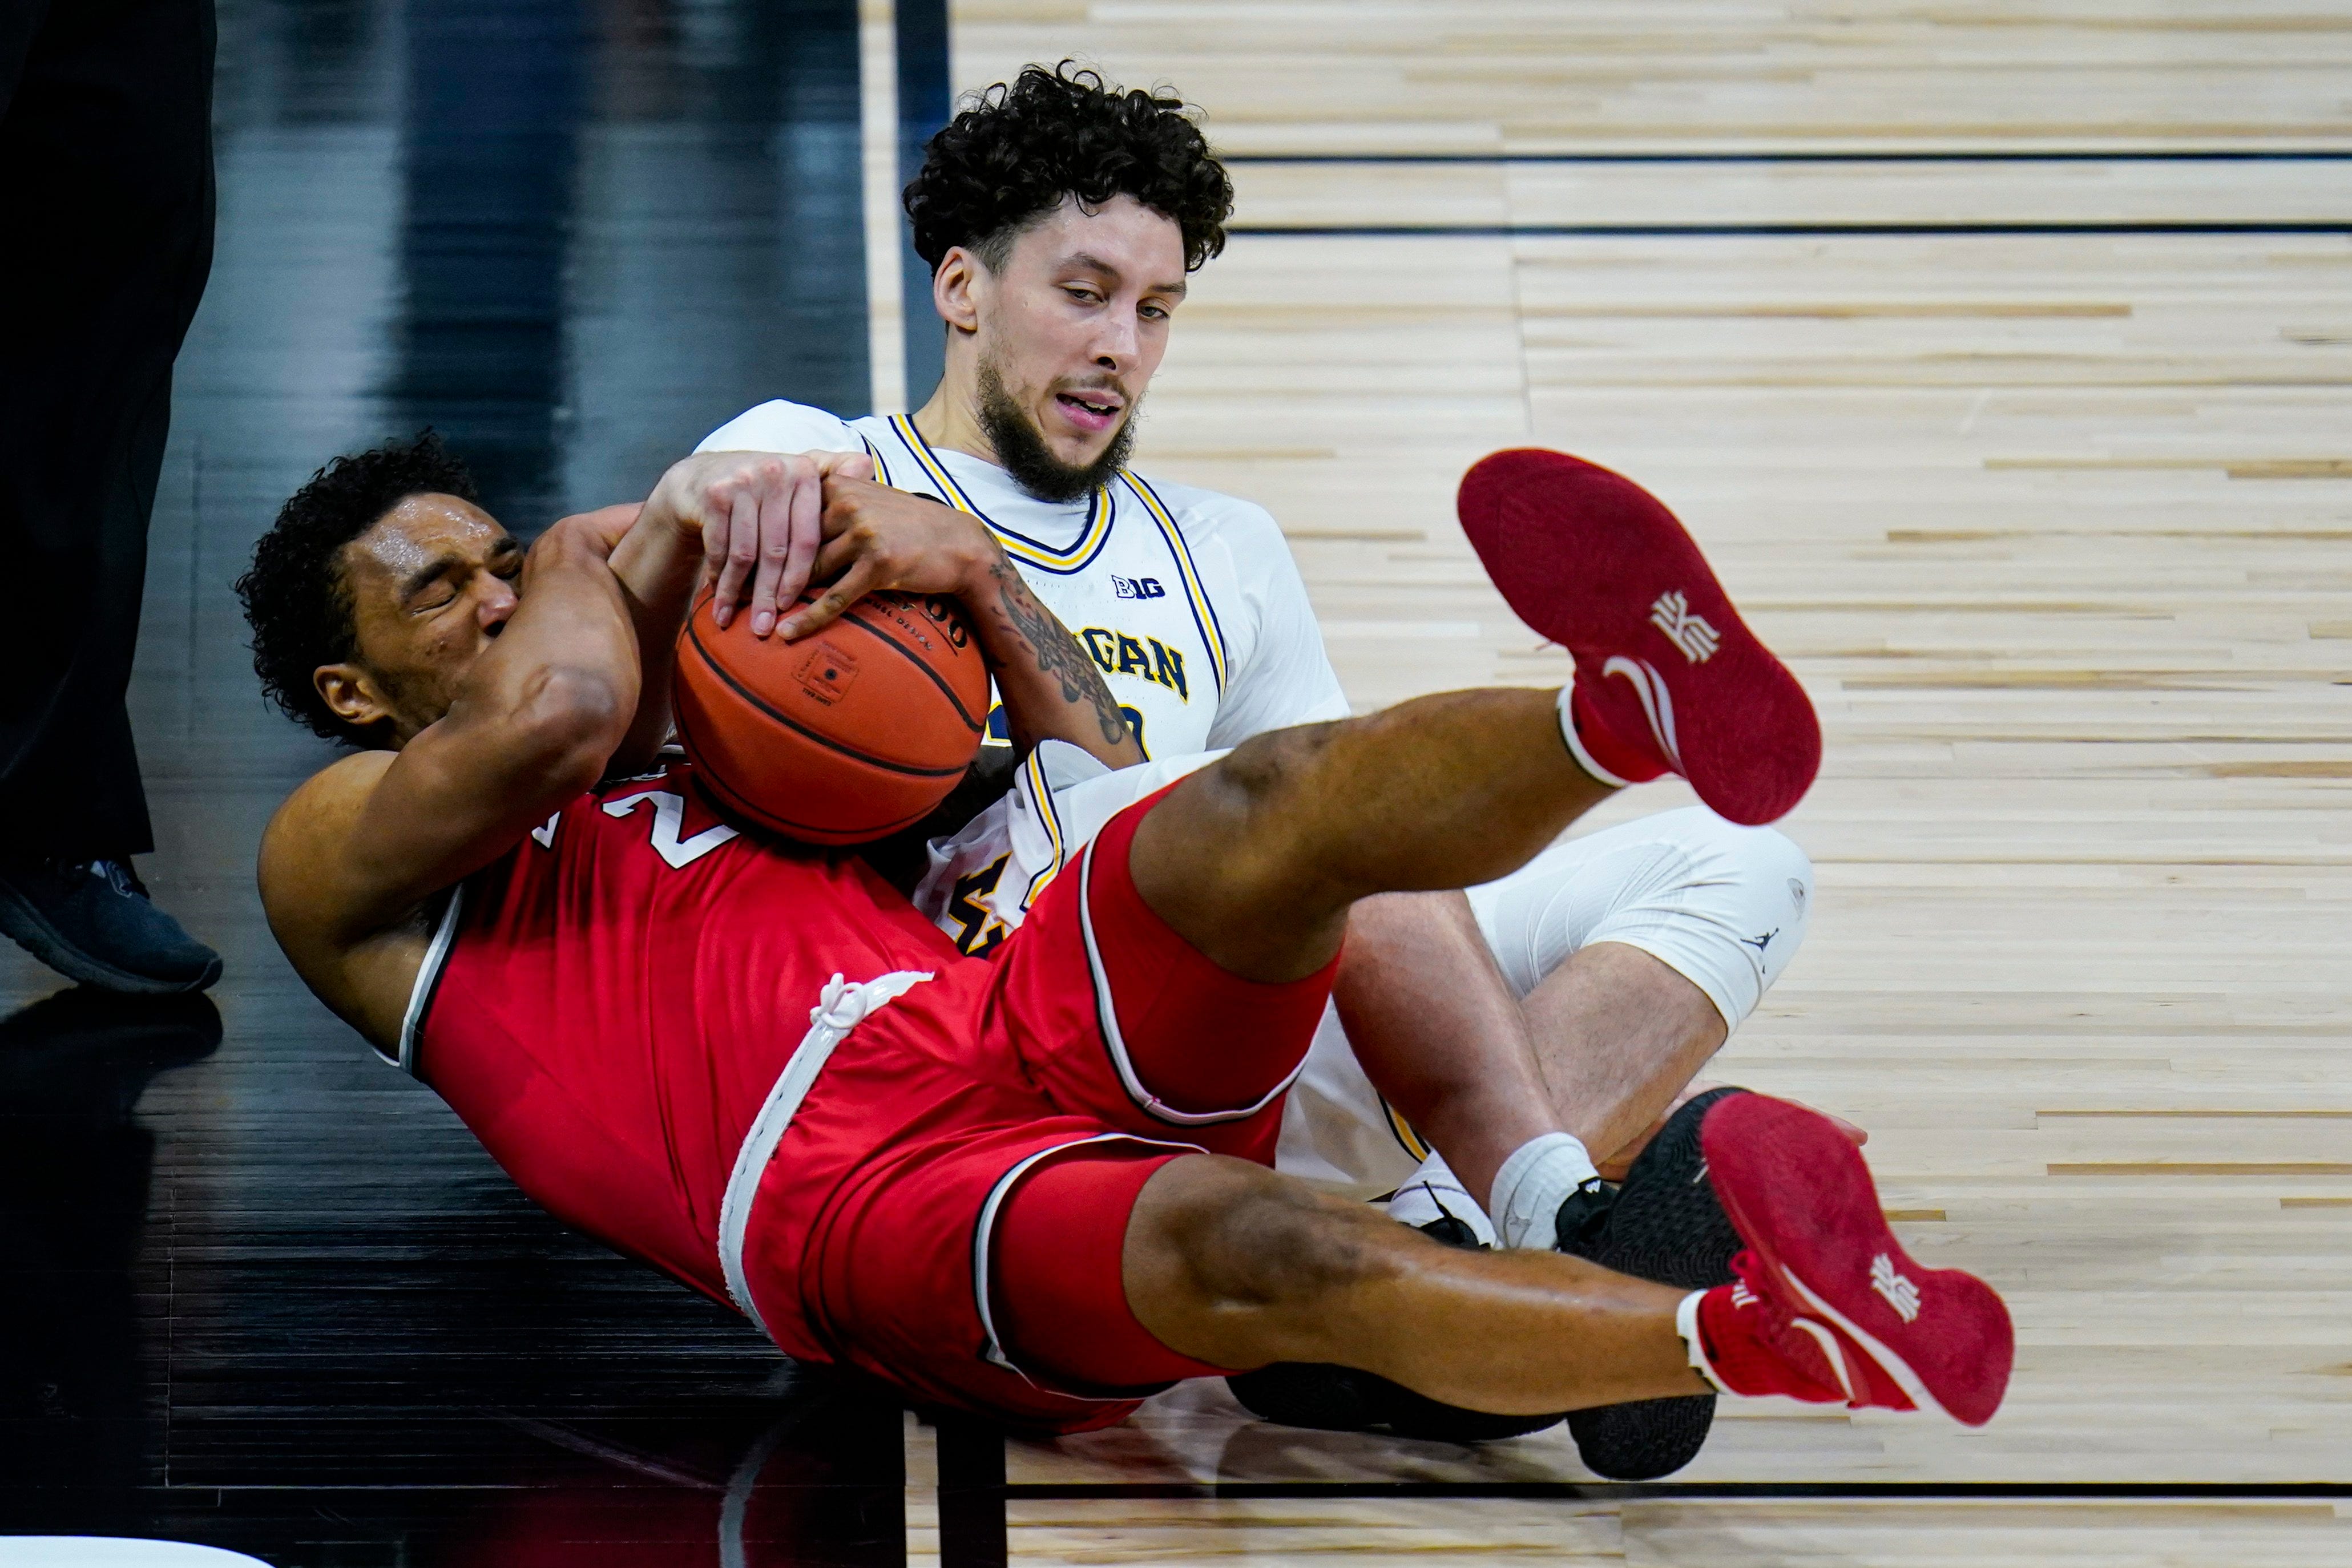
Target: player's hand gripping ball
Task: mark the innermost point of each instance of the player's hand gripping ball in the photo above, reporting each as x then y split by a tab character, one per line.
847	735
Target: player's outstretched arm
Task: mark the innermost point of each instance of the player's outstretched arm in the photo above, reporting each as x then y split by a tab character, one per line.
357	849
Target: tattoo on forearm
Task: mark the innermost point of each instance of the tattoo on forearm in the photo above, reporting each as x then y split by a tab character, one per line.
1058	653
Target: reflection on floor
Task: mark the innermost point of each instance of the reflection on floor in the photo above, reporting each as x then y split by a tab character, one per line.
286	1306
2051	526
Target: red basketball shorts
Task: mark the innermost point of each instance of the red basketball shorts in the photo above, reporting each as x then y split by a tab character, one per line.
970	1251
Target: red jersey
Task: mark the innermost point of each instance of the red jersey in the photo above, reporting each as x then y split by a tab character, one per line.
633	1010
607	1005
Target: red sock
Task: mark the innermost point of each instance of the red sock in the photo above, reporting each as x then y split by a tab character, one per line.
1734	1336
1632	764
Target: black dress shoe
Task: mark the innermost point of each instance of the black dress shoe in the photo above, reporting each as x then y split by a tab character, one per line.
1342	1399
1664	1224
91	921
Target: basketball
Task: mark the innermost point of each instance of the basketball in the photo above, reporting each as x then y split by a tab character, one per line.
843	737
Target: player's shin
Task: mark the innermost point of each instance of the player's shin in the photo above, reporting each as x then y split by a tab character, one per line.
1233	1265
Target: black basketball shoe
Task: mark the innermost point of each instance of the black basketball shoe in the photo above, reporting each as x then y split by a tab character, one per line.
1663	1224
1342	1399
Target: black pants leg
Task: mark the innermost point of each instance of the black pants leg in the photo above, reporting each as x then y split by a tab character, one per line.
106	198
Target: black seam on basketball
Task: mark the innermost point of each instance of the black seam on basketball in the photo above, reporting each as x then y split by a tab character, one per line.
694	636
768	821
908	654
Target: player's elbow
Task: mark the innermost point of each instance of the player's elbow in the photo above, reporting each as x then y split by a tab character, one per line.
565	722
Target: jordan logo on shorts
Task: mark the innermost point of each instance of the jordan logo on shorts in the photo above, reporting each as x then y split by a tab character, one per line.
1690	633
1900	1293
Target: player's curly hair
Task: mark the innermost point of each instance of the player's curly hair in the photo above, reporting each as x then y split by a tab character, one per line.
295	598
1016	149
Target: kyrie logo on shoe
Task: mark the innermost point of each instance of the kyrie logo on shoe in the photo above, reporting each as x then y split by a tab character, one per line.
1672	614
1900	1293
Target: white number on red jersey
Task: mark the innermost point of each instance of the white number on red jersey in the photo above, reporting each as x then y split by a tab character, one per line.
669	818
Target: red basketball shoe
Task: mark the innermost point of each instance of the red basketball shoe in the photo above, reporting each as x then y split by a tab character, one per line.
1666	672
1829	1307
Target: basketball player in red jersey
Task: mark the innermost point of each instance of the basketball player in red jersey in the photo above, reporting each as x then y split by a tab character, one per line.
1036	1187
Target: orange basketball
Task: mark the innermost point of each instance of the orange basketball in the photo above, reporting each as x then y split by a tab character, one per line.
839	738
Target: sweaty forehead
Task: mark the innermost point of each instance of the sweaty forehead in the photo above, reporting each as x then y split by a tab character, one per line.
420	531
1147	248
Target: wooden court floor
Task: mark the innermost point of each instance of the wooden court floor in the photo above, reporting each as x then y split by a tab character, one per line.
2039	470
1999	351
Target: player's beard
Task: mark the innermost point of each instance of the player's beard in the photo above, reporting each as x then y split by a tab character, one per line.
1021	446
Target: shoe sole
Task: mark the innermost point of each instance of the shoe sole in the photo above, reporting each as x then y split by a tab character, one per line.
1322	1397
1644	1438
27	929
1801	1197
1681	1237
1586	556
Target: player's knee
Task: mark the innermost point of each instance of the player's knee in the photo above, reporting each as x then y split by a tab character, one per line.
1774	878
1755	887
1724	906
1752	851
1742	876
1247	806
1264	771
1256	1242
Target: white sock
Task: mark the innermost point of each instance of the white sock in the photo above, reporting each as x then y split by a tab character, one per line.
1687	1325
1532	1185
1434	1193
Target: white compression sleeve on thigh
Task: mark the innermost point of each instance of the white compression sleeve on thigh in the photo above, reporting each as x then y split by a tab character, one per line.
1435	1193
1724	906
1532	1185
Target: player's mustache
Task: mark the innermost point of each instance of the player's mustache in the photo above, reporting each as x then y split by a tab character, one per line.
1109	384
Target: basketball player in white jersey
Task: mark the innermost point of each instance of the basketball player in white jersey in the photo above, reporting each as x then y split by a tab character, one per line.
1062	220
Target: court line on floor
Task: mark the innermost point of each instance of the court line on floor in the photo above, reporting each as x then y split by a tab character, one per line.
877	91
1781	230
1988	155
1658	1490
923	44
